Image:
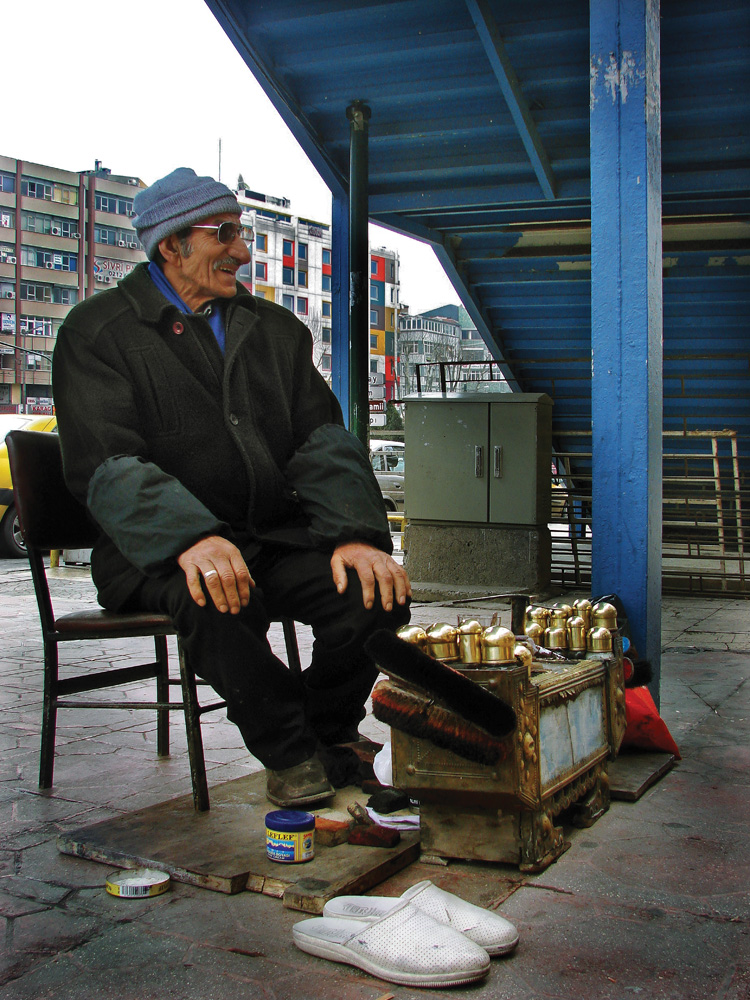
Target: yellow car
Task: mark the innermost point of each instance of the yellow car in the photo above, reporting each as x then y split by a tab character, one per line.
11	539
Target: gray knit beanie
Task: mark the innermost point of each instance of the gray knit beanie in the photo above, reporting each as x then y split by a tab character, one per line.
176	201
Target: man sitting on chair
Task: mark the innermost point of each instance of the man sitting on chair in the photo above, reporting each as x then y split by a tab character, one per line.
213	457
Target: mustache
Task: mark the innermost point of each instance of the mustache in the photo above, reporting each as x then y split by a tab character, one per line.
225	262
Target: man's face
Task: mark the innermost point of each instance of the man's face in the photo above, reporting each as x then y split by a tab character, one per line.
208	270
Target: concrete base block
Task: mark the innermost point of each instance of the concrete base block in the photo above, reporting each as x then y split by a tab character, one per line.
444	558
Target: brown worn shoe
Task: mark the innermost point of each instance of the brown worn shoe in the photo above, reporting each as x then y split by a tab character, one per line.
299	785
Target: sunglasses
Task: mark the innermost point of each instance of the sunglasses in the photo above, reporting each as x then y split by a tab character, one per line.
226	232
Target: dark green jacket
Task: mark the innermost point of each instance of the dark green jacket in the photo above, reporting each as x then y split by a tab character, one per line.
166	441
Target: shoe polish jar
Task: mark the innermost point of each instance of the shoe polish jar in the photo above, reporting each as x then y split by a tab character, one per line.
290	836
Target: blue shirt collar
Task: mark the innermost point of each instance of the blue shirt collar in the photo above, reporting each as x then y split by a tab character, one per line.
214	313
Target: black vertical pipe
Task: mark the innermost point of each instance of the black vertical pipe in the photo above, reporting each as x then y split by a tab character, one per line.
358	115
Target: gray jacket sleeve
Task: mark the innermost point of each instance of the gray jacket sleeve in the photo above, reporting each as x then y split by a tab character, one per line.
337	489
149	515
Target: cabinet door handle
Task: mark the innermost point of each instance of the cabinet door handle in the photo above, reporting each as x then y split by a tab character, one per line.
478	461
498	461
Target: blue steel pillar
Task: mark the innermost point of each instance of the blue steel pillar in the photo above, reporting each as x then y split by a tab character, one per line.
359	272
340	301
626	313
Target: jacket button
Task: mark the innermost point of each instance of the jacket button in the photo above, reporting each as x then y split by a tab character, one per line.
177	328
234	419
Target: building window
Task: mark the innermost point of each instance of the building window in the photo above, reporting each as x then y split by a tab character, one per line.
37	257
288	302
112	204
326	335
288	248
115	237
33	292
48	191
326	282
373	266
7	218
326	308
7	183
37	326
373	293
302	251
261	270
373	316
36	189
374	340
302	306
49	225
374	367
287	276
302	279
261	242
325	363
326	256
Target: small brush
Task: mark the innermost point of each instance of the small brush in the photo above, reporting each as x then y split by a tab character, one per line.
416	714
407	663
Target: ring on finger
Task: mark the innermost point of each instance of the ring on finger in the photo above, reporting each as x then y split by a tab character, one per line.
210	572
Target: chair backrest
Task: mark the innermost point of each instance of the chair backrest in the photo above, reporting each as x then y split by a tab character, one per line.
50	516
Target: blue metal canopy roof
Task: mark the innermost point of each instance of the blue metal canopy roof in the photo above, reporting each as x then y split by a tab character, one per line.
479	141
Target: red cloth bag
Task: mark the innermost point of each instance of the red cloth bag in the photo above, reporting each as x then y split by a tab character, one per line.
646	729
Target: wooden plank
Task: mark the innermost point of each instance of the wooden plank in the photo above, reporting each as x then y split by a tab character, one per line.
224	849
631	774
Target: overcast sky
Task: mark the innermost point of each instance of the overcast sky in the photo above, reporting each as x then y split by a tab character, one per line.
149	85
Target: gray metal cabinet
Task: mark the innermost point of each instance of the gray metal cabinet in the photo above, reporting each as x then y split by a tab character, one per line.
480	459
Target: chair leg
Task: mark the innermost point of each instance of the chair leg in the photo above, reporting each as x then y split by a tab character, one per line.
162	695
292	648
193	732
49	716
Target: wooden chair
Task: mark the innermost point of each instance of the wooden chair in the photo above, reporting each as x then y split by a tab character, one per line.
51	518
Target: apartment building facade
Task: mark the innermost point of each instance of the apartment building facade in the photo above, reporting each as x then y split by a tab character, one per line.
291	265
63	236
67	235
443	336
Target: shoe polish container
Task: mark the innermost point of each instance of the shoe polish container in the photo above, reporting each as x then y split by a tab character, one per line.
290	836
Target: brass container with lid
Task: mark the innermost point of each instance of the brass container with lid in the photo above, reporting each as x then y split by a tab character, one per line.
582	608
535	614
604	615
561	609
576	634
523	655
414	634
498	644
535	632
442	641
470	641
599	640
558	617
556	637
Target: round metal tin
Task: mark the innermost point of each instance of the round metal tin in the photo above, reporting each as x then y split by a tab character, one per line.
137	883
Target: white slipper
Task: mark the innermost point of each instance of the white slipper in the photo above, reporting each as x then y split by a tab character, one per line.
487	929
404	946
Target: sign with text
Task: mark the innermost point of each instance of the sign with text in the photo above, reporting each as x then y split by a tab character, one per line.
376	378
377	406
376	392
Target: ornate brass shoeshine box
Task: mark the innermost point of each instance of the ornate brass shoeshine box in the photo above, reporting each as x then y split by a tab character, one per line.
571	720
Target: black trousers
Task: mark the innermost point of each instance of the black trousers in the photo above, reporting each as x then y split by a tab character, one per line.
282	716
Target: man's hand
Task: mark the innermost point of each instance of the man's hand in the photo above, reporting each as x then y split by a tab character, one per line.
370	565
219	564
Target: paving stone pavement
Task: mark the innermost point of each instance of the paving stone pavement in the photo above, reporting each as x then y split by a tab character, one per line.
652	901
